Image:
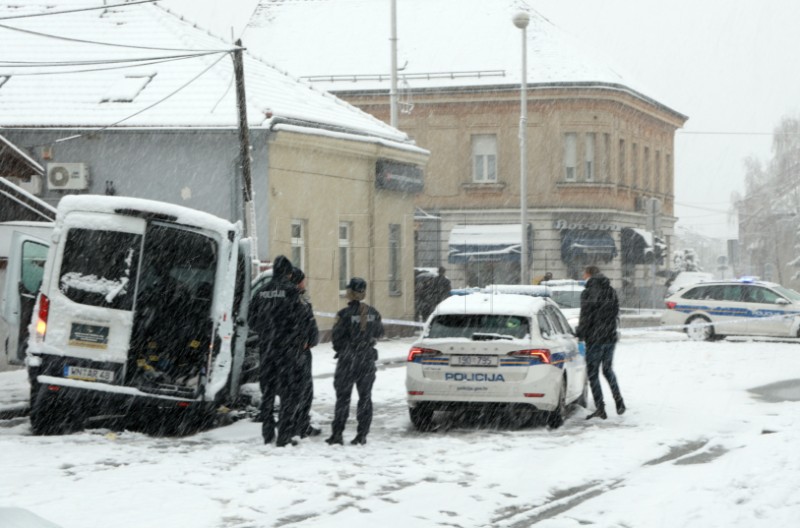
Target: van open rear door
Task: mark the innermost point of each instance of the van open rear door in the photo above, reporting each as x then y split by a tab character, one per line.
241	302
27	256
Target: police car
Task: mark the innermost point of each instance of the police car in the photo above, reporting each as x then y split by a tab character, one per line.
744	307
496	352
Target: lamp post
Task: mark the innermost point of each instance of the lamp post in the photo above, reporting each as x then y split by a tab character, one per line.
521	20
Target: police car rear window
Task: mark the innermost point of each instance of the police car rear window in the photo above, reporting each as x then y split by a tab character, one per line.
465	325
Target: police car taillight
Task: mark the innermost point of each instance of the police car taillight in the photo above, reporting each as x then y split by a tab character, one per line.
542	354
671	305
417	352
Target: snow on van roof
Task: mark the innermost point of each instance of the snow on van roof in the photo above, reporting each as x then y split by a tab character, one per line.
111	204
500	303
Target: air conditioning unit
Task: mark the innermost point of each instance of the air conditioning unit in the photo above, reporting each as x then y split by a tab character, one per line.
32	185
67	176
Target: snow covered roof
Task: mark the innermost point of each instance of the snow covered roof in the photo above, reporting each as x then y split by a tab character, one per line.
441	44
75	70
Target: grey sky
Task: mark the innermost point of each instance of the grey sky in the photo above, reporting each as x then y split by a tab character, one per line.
727	64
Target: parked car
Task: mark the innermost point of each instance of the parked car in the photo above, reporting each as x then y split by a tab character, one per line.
686	278
141	314
508	353
712	310
567	295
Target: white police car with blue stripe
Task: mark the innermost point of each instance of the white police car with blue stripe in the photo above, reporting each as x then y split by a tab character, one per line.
486	352
743	307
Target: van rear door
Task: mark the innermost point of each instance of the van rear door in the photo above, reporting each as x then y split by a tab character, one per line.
92	290
24	274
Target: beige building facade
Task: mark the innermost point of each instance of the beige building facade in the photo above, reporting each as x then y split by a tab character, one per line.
331	212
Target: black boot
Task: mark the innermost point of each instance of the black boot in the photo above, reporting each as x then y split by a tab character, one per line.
620	406
335	439
599	413
268	433
359	440
313	431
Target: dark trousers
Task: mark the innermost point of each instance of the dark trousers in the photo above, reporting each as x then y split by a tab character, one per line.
362	375
306	394
600	356
280	378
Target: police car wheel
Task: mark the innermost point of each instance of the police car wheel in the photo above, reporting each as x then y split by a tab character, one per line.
699	328
556	417
421	417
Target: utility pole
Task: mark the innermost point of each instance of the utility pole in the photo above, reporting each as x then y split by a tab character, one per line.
393	89
654	226
244	148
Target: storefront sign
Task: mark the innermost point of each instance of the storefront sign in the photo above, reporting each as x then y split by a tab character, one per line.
585	226
398	177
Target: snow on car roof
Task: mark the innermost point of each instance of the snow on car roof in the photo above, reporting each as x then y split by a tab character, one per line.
518	289
111	204
501	303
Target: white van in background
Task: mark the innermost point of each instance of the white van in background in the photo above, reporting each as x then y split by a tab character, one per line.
141	316
17	297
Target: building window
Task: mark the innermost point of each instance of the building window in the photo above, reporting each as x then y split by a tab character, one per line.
299	243
646	171
669	173
606	157
634	166
344	255
484	155
589	151
621	169
395	254
657	185
570	155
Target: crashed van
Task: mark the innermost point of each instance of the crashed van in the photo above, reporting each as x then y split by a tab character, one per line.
141	316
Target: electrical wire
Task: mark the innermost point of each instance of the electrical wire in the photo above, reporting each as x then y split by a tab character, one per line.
31	15
100	43
33	64
109	68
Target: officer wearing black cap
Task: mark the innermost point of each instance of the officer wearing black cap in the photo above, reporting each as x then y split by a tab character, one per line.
355	333
276	314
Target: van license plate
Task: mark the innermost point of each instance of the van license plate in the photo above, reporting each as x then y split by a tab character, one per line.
473	361
89	374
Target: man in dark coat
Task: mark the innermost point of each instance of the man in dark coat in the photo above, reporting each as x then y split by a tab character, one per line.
310	333
441	288
597	327
355	333
276	315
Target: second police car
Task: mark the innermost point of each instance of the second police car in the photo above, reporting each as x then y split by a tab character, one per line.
712	310
485	352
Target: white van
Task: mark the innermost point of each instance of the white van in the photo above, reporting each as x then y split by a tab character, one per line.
141	315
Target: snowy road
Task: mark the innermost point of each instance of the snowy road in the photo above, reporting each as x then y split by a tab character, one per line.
697	448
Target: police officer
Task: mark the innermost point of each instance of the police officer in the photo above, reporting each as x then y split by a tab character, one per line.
311	338
355	333
276	315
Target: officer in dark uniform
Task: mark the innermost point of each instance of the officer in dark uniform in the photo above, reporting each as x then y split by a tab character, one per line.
355	333
311	334
276	314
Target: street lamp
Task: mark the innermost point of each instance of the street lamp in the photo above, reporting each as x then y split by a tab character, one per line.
521	20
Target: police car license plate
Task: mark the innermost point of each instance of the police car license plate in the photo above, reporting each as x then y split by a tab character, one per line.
473	361
89	374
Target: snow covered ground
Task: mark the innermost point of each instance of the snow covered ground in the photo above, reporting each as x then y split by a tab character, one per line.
698	447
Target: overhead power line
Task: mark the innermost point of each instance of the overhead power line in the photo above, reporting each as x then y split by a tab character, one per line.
34	64
31	15
100	43
108	68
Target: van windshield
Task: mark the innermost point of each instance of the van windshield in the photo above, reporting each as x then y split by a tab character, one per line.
98	266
